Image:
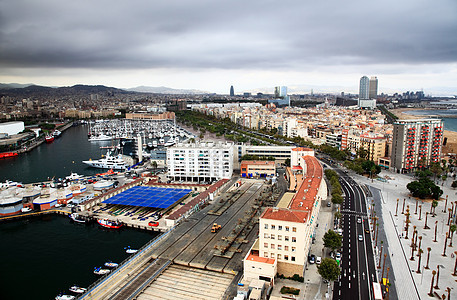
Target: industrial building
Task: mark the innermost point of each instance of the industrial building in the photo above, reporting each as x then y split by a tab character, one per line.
253	168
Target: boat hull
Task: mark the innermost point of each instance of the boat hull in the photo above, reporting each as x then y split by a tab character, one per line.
109	224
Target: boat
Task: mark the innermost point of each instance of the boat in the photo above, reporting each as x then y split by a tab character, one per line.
130	250
111	264
74	176
8	154
153	223
109	172
77	218
100	271
109	224
170	142
101	137
108	162
65	297
76	289
49	138
103	185
56	133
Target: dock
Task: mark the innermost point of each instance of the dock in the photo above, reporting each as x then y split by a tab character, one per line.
188	261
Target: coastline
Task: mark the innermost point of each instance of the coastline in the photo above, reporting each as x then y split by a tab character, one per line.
451	144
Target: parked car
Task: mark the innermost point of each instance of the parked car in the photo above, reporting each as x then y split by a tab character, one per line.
329	204
318	260
312	259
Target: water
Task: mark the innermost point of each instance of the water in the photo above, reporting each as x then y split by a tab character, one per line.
449	123
58	159
43	256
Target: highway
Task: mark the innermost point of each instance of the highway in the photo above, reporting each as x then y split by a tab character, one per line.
358	269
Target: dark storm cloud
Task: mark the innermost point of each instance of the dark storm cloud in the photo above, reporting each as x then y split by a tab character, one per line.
225	34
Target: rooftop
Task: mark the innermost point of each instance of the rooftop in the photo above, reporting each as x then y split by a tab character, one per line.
257	258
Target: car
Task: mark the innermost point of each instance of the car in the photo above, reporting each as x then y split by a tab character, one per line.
329	204
318	260
360	237
312	259
338	256
26	209
359	220
367	231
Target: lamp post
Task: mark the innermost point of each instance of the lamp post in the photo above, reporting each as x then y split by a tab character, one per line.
436	226
396	209
437	277
420	212
445	245
431	286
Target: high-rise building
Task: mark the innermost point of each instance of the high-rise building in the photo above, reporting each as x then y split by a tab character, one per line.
281	92
373	90
364	88
416	144
232	91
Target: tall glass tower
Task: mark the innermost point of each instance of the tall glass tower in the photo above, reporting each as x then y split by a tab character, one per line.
364	88
373	90
232	91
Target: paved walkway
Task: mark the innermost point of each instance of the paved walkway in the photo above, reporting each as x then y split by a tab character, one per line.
411	284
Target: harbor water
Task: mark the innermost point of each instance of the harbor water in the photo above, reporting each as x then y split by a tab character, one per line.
449	123
58	159
43	256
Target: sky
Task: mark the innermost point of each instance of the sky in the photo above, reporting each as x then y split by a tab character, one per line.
210	45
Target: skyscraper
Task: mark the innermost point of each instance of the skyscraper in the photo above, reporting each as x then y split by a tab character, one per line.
373	90
364	88
232	91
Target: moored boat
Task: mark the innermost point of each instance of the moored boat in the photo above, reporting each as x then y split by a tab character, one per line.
65	297
100	271
109	224
111	264
7	154
108	162
56	133
77	289
130	250
49	138
77	218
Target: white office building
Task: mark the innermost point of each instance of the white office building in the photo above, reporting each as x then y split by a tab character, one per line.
201	162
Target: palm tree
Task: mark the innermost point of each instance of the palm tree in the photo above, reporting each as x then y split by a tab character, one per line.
434	205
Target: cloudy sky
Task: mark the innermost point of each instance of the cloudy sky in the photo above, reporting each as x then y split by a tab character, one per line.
210	45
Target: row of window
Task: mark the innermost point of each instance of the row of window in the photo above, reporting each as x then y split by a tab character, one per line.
280	227
279	256
286	237
279	247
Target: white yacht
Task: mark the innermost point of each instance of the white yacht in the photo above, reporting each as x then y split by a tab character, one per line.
101	137
110	161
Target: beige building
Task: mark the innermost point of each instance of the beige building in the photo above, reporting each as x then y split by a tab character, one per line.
375	145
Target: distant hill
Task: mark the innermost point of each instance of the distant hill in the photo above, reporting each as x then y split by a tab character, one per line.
164	90
4	86
41	91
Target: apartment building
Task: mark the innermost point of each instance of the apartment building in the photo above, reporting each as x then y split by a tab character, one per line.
200	161
375	145
285	234
416	143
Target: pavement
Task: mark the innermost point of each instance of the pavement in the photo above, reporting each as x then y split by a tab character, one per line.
407	282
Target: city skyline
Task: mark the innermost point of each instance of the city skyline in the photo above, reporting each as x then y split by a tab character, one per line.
209	46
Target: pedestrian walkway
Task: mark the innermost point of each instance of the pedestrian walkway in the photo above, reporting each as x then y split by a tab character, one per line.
410	283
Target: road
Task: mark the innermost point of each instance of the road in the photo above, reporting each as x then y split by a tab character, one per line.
358	269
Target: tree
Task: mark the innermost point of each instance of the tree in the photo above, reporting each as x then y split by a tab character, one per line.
436	169
332	240
329	269
154	165
337	199
454	184
287	162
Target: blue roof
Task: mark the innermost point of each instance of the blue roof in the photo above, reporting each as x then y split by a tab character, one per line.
148	197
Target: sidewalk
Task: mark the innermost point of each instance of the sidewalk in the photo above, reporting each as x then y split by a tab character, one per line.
409	283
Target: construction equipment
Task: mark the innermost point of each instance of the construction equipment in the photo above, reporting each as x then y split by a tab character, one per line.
215	228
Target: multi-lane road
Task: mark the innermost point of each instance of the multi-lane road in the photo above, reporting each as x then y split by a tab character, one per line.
358	269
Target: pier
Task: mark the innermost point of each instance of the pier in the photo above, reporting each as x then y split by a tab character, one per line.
189	261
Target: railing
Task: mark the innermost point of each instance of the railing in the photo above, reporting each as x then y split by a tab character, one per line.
127	261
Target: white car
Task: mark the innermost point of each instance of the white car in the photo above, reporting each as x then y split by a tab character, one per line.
338	256
318	260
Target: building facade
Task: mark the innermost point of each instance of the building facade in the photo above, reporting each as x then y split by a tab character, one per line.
364	87
202	162
373	90
257	168
416	144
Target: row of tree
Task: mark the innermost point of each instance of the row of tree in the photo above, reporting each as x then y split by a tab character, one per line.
336	190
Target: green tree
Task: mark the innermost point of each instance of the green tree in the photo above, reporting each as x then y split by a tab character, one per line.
332	240
329	269
454	184
337	199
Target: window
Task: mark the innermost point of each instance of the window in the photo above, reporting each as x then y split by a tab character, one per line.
265	245
293	249
294	239
286	238
279	247
273	227
279	256
279	237
265	254
294	229
286	257
272	255
272	237
272	246
292	258
287	228
286	248
279	227
266	235
266	226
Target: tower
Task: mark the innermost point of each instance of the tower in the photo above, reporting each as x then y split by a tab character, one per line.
232	91
373	90
364	88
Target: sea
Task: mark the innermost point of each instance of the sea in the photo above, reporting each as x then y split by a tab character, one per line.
43	256
450	123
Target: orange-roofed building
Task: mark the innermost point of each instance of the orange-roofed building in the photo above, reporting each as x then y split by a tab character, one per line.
285	234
